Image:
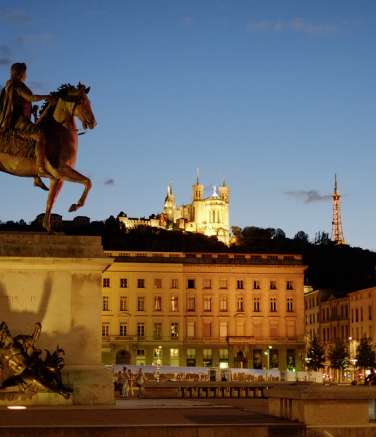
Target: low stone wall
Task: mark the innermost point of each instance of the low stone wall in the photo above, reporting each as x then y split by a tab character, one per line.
317	405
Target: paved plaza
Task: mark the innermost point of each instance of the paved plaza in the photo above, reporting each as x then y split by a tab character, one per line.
150	417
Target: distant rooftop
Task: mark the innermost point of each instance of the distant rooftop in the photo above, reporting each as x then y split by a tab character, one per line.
205	258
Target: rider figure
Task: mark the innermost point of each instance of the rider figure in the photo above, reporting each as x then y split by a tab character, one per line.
16	112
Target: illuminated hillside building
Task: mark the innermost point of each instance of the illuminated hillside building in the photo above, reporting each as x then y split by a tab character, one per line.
205	215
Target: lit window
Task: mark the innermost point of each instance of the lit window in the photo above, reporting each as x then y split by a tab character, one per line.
273	305
157	303
157	331
106	282
256	304
174	283
223	354
240	304
123	303
206	283
290	307
174	330
123	329
123	283
140	330
105	329
191	303
207	303
106	303
140	303
174	304
223	303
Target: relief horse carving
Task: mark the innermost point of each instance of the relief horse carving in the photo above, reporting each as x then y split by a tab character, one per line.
17	156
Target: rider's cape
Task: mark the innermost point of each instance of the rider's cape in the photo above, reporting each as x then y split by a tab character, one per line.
10	142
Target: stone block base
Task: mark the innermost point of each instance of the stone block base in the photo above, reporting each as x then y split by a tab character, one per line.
9	397
92	385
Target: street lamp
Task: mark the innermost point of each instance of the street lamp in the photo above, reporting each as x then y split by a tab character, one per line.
267	353
308	360
157	373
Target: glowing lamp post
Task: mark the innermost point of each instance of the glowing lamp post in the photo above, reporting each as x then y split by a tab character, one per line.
157	373
267	354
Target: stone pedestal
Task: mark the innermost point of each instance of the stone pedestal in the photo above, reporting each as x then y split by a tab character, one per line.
56	280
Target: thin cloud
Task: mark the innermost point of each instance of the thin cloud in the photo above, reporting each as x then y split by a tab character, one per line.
5	55
14	16
187	20
297	24
35	38
109	182
309	196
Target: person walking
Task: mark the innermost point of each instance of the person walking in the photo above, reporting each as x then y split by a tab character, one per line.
125	388
140	382
130	383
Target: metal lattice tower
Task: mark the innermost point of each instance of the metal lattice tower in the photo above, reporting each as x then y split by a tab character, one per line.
337	232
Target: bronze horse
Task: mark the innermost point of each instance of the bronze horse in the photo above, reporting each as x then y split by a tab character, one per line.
17	156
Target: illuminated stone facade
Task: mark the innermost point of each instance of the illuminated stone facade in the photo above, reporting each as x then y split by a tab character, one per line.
205	215
203	309
362	313
348	318
326	316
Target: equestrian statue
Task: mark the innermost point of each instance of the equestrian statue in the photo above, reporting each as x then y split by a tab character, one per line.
48	147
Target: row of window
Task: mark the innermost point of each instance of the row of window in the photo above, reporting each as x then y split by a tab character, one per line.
191	304
357	314
192	284
328	315
207	330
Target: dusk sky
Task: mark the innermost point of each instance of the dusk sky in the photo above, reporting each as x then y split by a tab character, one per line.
272	96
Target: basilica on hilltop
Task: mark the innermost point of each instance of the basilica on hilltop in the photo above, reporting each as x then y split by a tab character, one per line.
206	215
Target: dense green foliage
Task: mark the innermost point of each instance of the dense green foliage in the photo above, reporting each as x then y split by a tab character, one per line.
315	357
365	355
338	355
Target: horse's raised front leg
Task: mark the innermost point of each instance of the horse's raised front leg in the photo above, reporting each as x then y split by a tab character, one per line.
67	173
55	187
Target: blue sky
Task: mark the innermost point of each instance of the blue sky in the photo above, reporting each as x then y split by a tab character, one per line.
273	96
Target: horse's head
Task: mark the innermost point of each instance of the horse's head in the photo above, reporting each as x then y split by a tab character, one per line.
74	102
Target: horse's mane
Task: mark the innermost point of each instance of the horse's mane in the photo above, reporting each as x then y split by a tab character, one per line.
62	92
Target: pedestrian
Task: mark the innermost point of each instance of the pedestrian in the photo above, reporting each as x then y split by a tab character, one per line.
130	383
125	388
120	382
140	382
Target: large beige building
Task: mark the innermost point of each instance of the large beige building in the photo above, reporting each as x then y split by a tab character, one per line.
206	215
203	309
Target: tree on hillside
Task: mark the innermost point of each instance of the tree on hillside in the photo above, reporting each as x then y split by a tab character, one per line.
301	236
315	356
365	355
322	239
